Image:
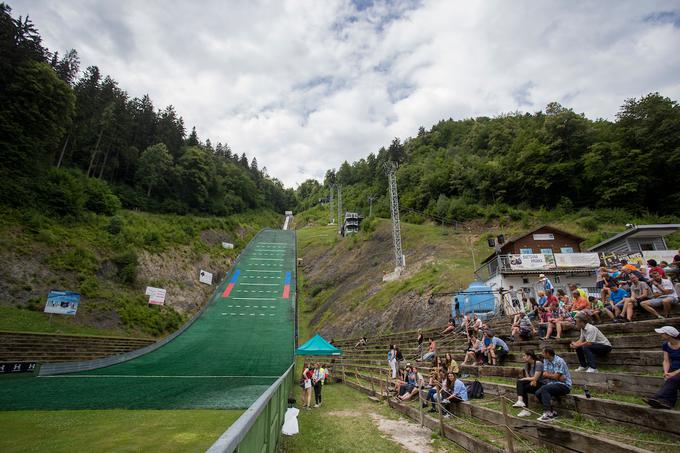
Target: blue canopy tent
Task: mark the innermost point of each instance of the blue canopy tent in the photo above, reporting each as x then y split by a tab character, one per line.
317	346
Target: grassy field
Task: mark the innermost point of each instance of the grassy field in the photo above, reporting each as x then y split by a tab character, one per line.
113	430
15	320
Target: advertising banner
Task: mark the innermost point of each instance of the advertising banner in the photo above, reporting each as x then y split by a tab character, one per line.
156	295
531	261
62	302
205	277
577	260
227	245
660	255
612	259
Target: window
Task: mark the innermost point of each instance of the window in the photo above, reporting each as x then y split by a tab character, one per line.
525	281
546	251
526	251
567	250
647	246
556	279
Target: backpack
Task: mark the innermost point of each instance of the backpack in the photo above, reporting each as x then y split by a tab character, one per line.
475	390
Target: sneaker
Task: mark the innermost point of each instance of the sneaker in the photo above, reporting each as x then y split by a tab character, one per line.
519	403
658	404
553	415
591	370
580	369
524	413
447	416
424	405
546	417
432	411
316	405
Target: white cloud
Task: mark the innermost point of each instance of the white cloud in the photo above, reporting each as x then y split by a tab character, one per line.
306	85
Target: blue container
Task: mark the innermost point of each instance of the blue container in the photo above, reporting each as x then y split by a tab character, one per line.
476	298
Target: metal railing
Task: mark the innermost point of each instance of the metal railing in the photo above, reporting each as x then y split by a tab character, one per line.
258	429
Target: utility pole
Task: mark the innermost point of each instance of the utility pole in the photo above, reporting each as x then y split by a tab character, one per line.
396	224
371	199
339	209
330	204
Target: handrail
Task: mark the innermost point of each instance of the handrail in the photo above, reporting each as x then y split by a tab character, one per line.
86	365
232	437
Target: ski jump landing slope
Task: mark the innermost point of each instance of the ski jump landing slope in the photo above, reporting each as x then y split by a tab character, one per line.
241	344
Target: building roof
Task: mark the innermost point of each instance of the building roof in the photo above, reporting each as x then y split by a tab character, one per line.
514	239
661	229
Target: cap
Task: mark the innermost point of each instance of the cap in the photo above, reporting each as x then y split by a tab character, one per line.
408	363
668	330
541	275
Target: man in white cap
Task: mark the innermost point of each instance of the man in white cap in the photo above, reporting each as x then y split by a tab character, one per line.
667	395
547	284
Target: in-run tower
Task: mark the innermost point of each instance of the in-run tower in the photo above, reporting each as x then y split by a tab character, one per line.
400	262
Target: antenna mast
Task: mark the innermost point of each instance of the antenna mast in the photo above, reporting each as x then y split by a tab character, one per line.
330	204
340	222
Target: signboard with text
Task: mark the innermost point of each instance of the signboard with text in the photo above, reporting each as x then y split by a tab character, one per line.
62	302
577	260
156	295
205	277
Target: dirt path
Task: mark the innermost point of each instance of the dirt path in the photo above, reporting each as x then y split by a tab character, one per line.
409	435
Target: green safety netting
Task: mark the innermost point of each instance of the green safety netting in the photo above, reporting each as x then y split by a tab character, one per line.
238	347
317	345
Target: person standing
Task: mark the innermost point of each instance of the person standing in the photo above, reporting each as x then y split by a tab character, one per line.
307	375
667	395
592	342
548	287
318	378
420	343
392	360
556	382
513	297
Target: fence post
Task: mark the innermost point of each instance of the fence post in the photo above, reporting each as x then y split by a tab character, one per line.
420	405
344	378
370	378
508	432
441	415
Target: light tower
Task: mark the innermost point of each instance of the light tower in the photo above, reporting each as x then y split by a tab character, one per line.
400	262
330	204
371	199
340	221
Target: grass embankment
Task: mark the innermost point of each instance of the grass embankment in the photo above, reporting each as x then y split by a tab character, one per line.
109	260
113	430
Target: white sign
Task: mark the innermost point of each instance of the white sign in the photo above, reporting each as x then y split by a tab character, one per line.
227	245
528	261
660	255
156	295
544	237
577	260
205	277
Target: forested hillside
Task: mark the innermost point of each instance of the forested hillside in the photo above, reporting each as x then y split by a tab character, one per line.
73	140
557	158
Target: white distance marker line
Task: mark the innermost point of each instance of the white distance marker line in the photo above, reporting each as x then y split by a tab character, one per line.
90	376
259	270
259	284
268	259
254	298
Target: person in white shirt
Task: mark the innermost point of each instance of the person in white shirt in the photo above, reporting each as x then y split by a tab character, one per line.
664	295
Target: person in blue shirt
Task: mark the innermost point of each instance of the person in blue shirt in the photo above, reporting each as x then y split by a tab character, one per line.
667	395
453	390
547	284
616	298
497	350
556	381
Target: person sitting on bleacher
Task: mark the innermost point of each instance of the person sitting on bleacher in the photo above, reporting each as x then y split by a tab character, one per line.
522	329
450	327
361	342
667	395
473	351
561	321
664	295
639	292
497	350
592	342
476	325
410	381
414	375
431	350
614	301
556	382
531	382
452	390
451	364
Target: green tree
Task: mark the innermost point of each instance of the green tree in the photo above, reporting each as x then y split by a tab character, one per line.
153	167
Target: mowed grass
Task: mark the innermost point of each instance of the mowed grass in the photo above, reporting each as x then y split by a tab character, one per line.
14	320
113	430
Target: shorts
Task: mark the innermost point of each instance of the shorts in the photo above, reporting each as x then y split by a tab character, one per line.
619	306
657	302
600	284
525	334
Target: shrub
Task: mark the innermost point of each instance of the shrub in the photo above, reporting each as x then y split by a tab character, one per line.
99	198
63	192
589	224
115	225
126	263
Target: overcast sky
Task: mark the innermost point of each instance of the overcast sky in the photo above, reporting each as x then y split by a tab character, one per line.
304	85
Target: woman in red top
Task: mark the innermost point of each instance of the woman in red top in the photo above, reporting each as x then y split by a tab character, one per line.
307	386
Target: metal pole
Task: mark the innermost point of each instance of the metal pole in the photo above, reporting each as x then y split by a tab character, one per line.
420	405
441	415
340	222
508	432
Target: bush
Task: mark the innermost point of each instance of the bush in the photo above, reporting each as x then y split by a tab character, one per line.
115	225
126	263
63	192
136	313
99	198
589	224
